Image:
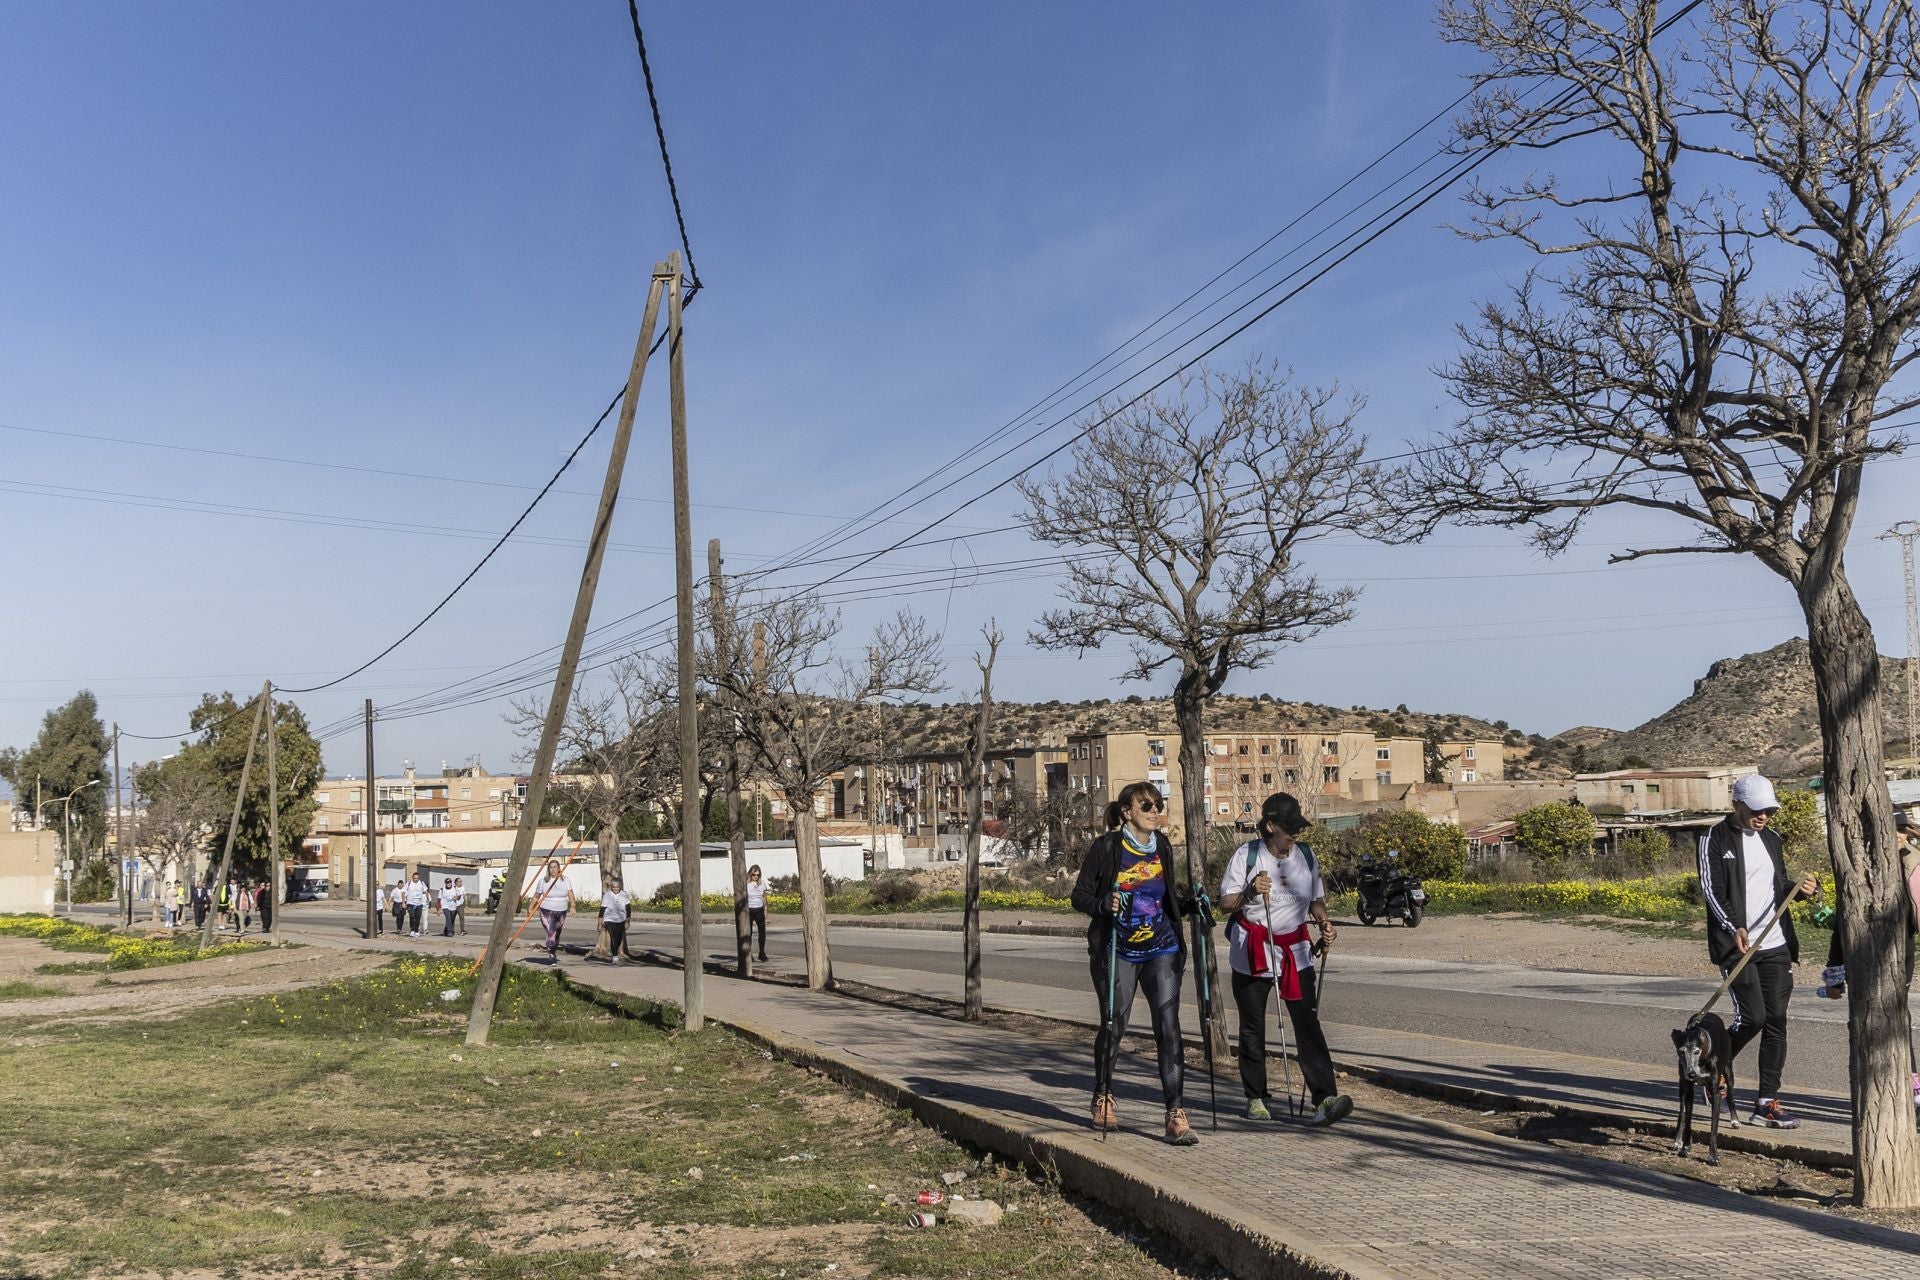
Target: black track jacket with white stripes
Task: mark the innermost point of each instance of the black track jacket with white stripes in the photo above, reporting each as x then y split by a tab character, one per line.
1723	882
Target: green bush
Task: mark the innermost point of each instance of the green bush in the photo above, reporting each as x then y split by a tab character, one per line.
668	892
1554	834
894	889
95	883
1634	854
1430	850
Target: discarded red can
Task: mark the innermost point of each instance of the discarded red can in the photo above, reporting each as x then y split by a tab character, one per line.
922	1220
931	1197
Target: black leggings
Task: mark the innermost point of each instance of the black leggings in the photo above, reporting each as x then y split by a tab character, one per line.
757	926
616	937
1316	1064
1160	976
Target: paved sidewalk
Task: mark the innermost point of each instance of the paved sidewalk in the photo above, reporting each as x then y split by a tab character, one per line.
1379	1196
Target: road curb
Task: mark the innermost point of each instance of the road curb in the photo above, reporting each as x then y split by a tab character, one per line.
1231	1244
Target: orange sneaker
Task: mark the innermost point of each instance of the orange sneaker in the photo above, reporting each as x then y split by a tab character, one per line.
1104	1117
1179	1132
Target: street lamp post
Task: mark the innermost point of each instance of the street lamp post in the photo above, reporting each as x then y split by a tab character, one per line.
66	840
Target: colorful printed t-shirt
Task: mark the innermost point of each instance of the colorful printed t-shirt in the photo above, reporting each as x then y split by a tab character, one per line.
1145	930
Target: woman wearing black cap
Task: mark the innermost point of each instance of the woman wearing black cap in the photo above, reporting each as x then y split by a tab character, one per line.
1126	885
1272	888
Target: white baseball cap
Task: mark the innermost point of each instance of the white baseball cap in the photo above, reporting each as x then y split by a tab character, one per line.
1756	793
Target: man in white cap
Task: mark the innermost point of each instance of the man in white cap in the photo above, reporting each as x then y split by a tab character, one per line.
1743	876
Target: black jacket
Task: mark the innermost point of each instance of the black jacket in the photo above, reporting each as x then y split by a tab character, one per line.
1723	882
1093	891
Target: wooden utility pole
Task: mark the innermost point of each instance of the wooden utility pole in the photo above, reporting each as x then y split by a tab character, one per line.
693	971
736	829
976	787
493	963
120	836
273	819
372	886
760	687
233	825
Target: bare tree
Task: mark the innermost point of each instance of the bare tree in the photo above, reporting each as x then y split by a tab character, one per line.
1198	503
181	806
614	742
976	773
807	715
1730	304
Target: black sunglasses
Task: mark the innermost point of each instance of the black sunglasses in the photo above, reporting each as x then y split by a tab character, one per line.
1148	806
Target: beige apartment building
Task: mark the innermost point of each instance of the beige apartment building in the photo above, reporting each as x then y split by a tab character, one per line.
463	799
1660	791
1474	761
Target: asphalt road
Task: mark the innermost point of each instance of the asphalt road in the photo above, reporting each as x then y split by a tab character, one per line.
1592	1015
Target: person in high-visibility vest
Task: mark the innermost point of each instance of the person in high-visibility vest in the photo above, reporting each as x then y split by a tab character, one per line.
179	904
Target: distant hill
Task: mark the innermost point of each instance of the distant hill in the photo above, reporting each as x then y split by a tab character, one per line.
1756	709
917	729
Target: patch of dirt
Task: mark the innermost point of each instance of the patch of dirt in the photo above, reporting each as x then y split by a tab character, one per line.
165	990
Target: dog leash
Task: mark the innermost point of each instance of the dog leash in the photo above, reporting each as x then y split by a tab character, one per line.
1752	949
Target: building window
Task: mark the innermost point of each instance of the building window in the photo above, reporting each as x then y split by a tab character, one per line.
1627	787
1383	753
1099	750
1292	776
355	798
1289	746
1225	807
1469	775
322	797
1246	807
493	815
1653	788
1330	745
1330	773
466	793
1243	748
1266	779
1266	748
1469	753
1382	779
466	817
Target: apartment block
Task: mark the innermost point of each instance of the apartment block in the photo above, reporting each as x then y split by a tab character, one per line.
1475	760
463	799
926	794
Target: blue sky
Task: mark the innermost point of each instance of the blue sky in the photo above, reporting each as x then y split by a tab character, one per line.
416	239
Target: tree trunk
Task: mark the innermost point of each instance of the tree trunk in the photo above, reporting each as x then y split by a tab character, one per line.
976	786
1872	895
813	892
1189	713
737	863
610	880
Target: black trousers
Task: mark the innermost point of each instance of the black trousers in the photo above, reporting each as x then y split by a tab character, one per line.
413	917
399	916
1760	995
616	937
1160	977
1836	957
1252	994
757	927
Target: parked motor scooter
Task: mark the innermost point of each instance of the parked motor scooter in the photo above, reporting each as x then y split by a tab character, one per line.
1387	890
493	894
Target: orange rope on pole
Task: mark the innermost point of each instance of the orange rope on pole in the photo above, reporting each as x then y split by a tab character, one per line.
533	908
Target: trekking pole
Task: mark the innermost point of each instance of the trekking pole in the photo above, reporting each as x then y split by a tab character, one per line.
1753	945
1280	1005
1107	1025
1202	941
1322	950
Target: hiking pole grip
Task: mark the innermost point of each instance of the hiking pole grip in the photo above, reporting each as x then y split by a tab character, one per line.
1753	948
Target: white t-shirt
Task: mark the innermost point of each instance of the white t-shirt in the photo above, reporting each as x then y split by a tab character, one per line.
397	896
416	893
452	897
1296	886
552	893
1760	901
613	906
756	893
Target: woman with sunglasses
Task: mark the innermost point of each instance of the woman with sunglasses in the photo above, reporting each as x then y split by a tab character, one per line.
1127	886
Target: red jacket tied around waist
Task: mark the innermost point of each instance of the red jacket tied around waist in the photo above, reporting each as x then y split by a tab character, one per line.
1259	939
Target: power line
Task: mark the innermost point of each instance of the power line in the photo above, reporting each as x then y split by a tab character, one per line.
666	161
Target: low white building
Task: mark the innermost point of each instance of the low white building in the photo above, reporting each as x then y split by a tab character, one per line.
644	866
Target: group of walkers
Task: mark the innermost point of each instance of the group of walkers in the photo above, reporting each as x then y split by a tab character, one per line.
237	902
408	901
1276	925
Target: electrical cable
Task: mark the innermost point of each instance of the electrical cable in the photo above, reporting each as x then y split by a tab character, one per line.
666	161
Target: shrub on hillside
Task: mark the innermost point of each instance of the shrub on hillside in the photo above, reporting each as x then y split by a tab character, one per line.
1634	854
668	892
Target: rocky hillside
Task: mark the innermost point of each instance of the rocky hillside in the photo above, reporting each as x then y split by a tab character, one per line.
1757	709
946	727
